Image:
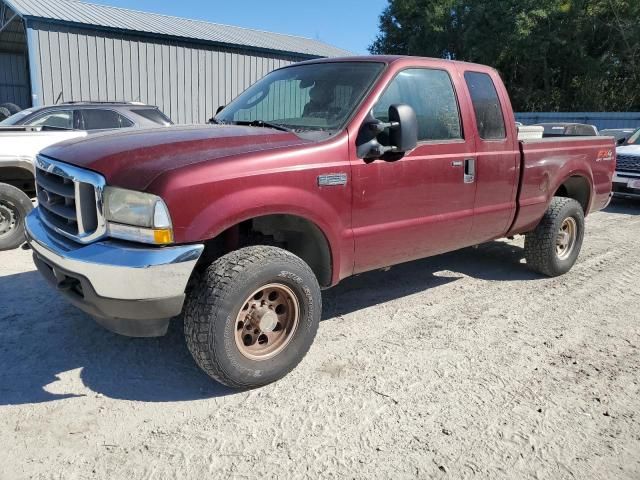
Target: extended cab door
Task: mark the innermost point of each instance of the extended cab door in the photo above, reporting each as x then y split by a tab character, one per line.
421	204
498	155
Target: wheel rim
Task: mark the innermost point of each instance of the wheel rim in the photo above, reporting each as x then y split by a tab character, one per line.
566	239
8	219
267	321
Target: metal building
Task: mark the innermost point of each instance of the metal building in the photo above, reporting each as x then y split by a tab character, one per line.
66	50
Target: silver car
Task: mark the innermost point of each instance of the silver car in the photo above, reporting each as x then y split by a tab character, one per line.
89	116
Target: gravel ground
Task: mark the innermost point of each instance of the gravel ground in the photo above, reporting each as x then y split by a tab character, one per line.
463	365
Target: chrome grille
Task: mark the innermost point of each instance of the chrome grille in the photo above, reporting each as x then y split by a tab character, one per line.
70	200
628	163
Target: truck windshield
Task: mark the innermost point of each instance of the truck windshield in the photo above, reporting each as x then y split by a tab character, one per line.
634	139
306	99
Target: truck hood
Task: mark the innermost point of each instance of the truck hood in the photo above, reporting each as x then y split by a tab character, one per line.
633	150
133	159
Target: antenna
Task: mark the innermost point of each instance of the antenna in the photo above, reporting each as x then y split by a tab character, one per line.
59	97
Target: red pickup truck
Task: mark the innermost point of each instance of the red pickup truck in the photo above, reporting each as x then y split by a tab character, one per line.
319	171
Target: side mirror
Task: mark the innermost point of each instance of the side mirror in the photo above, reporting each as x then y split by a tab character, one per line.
398	136
220	108
404	136
621	141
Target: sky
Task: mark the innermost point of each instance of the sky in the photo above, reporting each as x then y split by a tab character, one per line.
348	24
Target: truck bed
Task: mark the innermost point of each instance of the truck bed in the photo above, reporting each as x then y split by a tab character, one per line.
546	164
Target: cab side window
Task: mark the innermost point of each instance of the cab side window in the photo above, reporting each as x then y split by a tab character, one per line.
486	105
430	93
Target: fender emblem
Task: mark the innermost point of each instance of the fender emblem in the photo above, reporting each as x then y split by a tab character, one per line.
605	156
332	180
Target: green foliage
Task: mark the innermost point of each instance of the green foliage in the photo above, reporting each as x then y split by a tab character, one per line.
554	55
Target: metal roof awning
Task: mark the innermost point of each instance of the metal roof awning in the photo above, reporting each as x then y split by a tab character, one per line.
77	13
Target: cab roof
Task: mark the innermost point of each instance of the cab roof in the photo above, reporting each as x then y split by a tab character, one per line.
392	59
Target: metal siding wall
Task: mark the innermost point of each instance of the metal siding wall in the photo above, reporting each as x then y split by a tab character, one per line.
187	81
14	79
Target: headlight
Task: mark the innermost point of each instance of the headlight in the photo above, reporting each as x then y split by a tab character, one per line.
137	216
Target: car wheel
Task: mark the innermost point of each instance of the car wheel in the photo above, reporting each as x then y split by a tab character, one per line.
553	247
252	315
14	207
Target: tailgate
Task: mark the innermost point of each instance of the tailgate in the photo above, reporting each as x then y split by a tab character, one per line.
583	164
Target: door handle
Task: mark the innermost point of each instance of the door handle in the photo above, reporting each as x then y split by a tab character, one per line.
456	163
469	170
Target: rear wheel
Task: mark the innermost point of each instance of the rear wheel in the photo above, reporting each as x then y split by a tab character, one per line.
252	315
14	207
553	247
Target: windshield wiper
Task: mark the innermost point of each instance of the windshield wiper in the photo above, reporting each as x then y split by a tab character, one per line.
263	124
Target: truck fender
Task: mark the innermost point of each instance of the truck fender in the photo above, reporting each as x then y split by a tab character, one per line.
571	191
233	209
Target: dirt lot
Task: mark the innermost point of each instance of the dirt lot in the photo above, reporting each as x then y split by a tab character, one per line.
464	365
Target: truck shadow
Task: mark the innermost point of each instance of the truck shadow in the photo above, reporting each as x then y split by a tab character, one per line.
624	206
43	339
494	261
50	351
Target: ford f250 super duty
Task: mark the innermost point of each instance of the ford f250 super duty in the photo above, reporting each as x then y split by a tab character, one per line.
319	171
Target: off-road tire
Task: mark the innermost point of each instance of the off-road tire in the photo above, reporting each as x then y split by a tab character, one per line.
18	204
215	298
4	113
12	107
540	245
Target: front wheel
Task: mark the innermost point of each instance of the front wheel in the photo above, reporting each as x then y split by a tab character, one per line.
553	247
14	207
252	315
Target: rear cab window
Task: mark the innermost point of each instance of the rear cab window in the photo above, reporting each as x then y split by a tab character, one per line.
486	106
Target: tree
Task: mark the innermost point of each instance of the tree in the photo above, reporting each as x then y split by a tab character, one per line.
553	54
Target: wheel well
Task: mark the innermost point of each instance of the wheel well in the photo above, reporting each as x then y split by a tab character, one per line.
295	234
20	178
578	188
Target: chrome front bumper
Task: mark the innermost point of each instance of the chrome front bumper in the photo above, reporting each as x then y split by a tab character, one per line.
620	185
130	289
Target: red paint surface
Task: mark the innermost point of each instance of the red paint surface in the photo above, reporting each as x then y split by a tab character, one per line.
213	177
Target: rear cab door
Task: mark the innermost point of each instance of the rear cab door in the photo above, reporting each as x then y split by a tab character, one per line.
497	167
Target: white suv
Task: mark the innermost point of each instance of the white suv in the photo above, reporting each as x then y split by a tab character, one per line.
626	182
